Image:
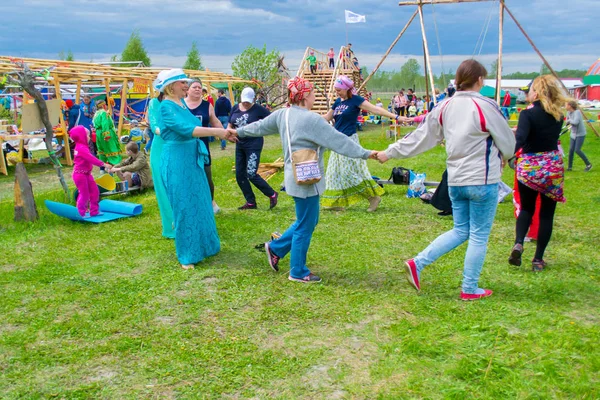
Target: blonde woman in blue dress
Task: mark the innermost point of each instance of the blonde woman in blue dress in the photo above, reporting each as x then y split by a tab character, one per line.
182	170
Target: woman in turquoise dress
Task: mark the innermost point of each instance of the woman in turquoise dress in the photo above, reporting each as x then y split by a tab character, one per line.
164	207
182	170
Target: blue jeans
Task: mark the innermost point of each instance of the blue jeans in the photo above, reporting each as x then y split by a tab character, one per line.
297	237
473	210
224	121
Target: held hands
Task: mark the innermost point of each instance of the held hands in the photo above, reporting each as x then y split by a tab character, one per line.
231	135
378	155
382	157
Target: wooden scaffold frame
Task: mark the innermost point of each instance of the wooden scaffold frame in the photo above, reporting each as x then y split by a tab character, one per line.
502	9
79	73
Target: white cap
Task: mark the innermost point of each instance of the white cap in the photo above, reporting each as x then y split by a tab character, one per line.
248	95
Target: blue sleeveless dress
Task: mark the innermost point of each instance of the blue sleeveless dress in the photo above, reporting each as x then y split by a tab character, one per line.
182	169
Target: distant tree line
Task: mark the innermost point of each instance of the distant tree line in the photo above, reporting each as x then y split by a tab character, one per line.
410	75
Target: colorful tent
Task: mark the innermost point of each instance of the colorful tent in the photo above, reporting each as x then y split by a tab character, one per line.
591	81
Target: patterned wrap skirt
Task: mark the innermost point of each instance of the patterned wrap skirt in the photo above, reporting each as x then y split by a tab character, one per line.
543	172
348	181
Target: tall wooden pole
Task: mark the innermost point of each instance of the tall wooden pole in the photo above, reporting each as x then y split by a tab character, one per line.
426	79
499	64
428	60
78	92
63	124
123	105
389	49
544	60
107	88
230	90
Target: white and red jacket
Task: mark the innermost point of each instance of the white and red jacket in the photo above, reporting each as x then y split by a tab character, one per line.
477	138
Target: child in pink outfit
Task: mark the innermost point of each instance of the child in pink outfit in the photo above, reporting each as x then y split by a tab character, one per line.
331	56
84	162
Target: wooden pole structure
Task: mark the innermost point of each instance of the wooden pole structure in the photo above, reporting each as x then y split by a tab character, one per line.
123	105
389	49
78	92
543	59
499	64
107	87
420	2
428	65
63	125
426	80
230	89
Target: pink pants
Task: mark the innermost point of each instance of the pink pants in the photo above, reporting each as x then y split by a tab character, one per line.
88	193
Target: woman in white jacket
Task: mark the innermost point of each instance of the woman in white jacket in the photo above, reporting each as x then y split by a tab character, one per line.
477	138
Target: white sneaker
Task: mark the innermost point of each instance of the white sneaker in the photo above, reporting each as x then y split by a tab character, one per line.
216	208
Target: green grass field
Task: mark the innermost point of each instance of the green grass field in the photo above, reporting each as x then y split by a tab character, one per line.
105	311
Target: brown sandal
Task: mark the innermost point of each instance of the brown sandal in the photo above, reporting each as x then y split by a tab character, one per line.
538	265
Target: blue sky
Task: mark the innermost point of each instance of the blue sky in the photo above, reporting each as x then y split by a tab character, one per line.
95	29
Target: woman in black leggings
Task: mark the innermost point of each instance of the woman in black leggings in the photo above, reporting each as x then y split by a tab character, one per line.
540	168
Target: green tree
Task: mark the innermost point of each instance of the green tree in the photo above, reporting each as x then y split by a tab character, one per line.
61	55
134	50
493	69
261	65
409	73
70	56
544	70
194	61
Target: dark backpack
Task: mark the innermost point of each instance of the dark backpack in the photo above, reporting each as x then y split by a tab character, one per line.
400	176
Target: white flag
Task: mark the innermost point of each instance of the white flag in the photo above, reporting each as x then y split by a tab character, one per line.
353	18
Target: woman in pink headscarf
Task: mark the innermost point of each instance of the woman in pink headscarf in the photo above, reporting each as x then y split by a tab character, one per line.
348	180
301	129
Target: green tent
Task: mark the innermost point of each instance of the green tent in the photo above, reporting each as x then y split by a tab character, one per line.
490	92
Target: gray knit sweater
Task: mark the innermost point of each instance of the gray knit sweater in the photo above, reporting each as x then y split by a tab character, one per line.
575	118
307	131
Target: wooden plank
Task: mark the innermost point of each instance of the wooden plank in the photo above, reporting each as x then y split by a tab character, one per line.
3	167
107	89
63	125
229	88
428	65
78	92
422	2
123	104
499	65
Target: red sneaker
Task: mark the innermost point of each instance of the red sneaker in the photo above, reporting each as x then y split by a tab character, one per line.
467	296
411	274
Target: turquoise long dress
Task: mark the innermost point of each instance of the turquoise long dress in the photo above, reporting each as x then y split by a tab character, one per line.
182	169
164	207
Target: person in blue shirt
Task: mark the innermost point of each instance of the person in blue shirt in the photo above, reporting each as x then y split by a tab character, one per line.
222	110
136	135
348	180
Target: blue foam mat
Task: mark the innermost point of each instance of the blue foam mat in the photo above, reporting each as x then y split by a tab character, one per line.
111	210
